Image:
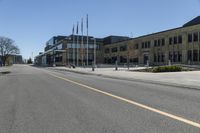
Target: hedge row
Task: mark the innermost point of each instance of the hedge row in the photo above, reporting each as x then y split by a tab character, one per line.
167	69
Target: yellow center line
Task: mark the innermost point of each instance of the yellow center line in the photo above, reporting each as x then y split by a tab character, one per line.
178	118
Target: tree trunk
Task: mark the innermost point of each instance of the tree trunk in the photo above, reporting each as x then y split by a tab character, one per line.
4	60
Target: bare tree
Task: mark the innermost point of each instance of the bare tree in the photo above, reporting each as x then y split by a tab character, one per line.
7	48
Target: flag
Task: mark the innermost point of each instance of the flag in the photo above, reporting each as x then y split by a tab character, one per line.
82	25
87	22
77	29
73	30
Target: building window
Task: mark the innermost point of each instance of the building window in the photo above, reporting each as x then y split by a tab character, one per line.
175	40
158	57
107	50
134	60
195	55
170	56
175	56
199	36
170	40
190	55
123	48
180	40
136	46
195	37
189	37
155	58
143	45
97	47
155	43
163	42
158	42
114	50
123	59
179	57
114	59
58	59
90	56
162	58
149	44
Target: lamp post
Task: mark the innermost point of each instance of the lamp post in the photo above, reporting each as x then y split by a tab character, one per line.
94	50
94	61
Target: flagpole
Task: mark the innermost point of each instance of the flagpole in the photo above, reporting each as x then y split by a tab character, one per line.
87	40
82	41
77	49
73	47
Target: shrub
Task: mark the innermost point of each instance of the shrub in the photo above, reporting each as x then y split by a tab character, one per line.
167	69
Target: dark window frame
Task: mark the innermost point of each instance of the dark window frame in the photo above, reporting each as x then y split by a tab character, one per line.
175	40
143	45
123	48
189	38
114	50
170	40
107	50
155	43
163	42
149	44
159	42
136	46
195	37
180	39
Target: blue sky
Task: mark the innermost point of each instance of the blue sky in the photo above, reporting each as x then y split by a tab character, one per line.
33	22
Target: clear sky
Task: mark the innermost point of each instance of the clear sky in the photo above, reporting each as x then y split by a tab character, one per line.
33	22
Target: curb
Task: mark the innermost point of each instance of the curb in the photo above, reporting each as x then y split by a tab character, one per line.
134	79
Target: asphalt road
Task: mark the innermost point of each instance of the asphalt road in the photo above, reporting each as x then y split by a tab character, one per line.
38	100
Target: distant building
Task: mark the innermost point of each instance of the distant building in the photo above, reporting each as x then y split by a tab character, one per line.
175	46
178	46
62	50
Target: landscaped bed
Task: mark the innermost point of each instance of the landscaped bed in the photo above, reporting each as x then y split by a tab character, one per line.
4	72
160	69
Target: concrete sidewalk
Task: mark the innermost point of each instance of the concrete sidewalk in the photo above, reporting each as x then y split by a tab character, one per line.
190	79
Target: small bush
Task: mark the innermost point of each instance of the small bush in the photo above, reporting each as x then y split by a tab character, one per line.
167	69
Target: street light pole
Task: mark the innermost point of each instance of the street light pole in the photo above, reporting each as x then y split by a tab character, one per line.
77	51
94	52
94	61
87	39
73	47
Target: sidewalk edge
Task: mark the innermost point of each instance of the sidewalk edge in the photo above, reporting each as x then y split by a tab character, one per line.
134	79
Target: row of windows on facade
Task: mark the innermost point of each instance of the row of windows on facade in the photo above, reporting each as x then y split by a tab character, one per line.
122	59
173	57
90	46
194	37
90	56
115	49
177	56
193	55
60	58
161	42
